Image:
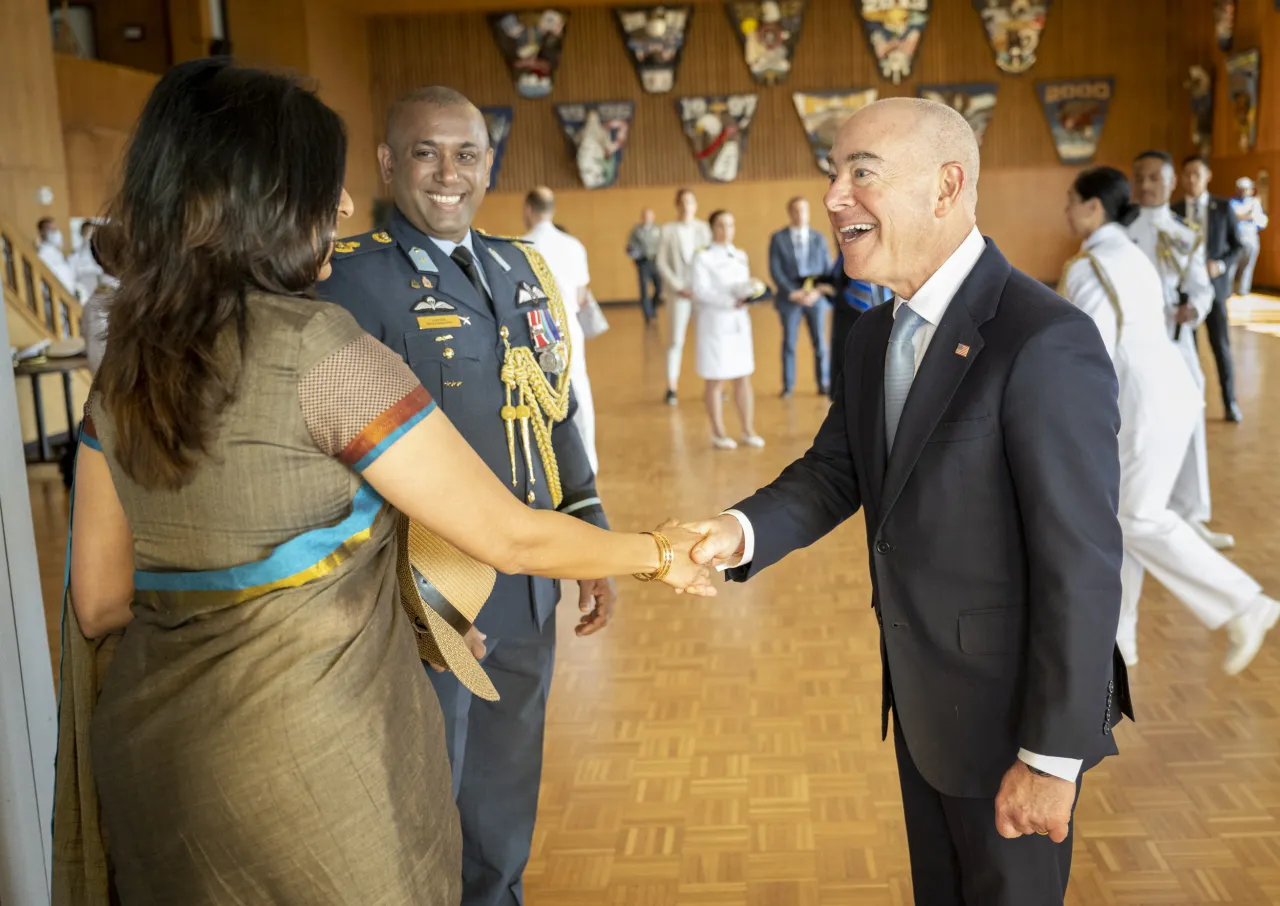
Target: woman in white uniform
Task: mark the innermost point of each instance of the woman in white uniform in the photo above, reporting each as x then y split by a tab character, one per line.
722	285
1113	282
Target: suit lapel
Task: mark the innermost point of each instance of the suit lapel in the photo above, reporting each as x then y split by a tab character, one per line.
500	282
871	400
944	367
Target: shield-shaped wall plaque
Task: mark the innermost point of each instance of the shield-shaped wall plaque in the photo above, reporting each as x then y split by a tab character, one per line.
654	36
894	30
531	43
717	129
975	101
1013	30
1076	111
597	132
768	31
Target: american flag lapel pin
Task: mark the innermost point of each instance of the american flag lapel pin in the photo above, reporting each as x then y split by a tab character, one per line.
962	351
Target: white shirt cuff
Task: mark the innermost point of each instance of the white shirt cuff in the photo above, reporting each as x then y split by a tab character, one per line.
748	542
1066	768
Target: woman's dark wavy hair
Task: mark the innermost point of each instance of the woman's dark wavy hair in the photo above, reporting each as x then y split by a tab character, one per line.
231	185
1111	188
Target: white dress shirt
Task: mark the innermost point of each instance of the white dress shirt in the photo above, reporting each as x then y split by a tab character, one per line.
447	246
1198	211
930	302
800	242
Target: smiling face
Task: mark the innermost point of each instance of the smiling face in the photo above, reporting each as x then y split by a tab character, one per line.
899	200
1152	182
437	161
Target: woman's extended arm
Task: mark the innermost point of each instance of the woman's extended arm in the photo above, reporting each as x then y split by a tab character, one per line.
434	477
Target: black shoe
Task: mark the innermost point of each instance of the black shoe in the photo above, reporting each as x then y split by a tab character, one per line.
670	398
824	391
1233	413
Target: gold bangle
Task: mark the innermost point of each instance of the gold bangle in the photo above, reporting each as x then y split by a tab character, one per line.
666	558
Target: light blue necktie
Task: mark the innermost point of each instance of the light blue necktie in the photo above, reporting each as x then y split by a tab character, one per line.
899	368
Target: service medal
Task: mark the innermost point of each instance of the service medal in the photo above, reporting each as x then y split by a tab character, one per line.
552	360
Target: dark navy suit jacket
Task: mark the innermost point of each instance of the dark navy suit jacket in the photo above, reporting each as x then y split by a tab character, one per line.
994	545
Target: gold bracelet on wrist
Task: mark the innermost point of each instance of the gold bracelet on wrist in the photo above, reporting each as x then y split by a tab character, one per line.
666	559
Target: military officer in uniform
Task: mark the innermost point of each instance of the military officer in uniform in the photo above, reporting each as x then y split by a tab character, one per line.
481	323
1177	250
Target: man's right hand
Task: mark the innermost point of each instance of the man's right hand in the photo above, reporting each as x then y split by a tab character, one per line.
1185	314
722	543
797	296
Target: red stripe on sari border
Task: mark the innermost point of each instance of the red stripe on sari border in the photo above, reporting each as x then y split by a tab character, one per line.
381	427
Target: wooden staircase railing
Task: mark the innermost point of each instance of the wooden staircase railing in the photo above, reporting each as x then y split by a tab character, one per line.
33	291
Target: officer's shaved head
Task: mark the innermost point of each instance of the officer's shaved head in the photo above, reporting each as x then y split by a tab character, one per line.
904	193
437	159
429	96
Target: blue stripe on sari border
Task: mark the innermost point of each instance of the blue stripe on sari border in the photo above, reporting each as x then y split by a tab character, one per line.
91	442
290	558
385	444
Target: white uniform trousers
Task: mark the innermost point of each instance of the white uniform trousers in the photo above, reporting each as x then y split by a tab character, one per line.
584	420
1159	541
680	309
1190	498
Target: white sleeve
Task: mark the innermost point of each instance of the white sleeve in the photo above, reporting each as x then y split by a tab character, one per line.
1085	291
1259	215
708	288
748	539
1066	768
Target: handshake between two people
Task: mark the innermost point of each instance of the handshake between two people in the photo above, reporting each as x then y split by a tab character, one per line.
699	550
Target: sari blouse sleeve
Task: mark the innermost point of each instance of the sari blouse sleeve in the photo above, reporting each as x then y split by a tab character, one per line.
357	396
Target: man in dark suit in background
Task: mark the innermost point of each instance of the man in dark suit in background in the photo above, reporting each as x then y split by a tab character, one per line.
849	299
1222	246
454	303
976	427
798	257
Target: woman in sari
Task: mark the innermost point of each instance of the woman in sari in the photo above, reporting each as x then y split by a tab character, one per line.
265	732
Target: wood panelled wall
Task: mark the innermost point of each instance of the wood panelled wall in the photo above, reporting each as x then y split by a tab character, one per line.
99	104
1257	25
1138	42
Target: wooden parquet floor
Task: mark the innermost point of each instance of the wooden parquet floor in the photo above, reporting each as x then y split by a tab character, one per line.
727	752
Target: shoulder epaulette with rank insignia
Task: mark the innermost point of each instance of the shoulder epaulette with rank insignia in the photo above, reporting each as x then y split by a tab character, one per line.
501	238
365	242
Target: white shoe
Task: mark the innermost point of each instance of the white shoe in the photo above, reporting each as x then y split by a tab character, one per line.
1219	541
1247	632
724	443
753	440
1128	651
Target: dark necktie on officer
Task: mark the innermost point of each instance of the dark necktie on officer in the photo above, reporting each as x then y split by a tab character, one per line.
462	257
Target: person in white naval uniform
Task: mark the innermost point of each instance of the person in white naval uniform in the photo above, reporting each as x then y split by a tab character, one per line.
722	286
1176	248
1114	283
567	258
679	241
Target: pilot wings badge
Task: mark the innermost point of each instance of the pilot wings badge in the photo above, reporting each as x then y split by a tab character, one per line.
431	303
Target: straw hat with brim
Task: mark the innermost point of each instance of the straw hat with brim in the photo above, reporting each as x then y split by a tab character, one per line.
442	591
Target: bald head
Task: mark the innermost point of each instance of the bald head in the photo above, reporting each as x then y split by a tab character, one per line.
904	192
437	96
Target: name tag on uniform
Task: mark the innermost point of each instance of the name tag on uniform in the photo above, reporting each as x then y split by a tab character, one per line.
438	322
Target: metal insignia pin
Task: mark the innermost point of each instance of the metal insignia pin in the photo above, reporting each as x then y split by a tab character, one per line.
962	351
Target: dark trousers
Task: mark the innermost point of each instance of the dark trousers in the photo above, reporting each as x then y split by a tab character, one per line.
495	749
650	287
815	316
843	318
1220	343
958	858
